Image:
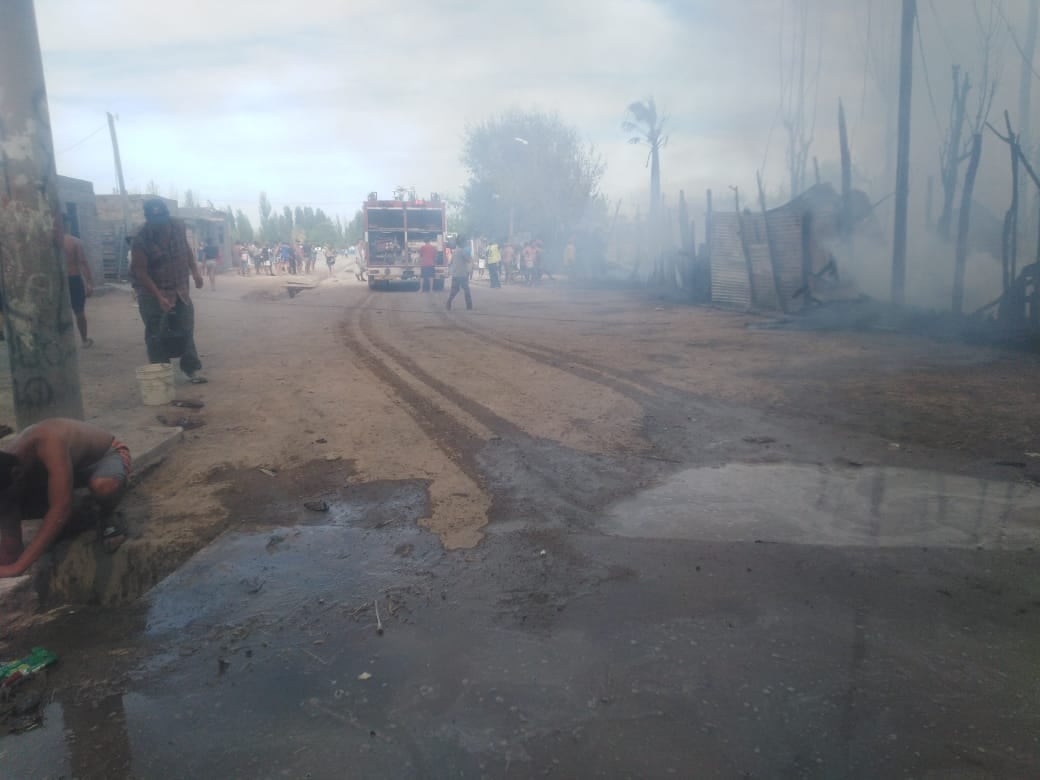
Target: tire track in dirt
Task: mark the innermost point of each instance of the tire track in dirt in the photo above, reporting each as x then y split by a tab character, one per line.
499	425
457	514
636	390
662	406
668	411
527	477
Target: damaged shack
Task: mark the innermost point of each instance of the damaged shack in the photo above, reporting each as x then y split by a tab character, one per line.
785	258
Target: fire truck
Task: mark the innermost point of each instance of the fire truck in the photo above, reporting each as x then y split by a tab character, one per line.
394	232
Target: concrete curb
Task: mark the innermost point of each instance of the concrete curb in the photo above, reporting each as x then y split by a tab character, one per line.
150	446
113	288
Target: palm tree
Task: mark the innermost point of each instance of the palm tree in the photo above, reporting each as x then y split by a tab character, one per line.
642	119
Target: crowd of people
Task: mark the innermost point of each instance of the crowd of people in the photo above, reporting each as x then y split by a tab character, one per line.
283	258
506	262
512	262
503	262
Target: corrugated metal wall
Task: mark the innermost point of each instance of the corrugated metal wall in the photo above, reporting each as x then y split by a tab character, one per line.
729	279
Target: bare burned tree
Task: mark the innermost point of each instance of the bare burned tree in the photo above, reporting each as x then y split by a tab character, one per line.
794	91
951	153
1013	299
956	148
992	45
964	223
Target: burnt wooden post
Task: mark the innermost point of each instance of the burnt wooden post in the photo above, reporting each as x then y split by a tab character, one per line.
846	173
906	77
807	257
746	250
1011	220
707	226
928	197
780	302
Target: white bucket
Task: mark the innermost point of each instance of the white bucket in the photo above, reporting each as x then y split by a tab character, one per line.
156	383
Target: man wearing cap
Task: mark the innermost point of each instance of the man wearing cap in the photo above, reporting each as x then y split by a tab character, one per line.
161	264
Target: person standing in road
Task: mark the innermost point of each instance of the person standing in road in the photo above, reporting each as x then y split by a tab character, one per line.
263	260
81	286
427	263
529	255
494	258
212	252
460	269
570	255
508	262
161	265
359	261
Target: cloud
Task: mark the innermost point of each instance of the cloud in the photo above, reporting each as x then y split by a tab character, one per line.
322	101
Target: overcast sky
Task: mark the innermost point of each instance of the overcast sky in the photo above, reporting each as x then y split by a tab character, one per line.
321	101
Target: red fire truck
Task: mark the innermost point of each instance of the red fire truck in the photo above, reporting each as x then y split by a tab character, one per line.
394	232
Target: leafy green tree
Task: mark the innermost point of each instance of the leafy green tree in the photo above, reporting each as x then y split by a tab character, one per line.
268	224
531	169
456	216
285	224
243	227
354	230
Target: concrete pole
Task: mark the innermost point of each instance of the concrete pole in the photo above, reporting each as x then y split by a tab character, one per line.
125	199
906	79
38	318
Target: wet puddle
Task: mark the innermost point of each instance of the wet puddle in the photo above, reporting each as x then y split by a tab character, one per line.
800	504
259	634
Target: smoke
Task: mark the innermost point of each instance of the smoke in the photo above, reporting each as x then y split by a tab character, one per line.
867	269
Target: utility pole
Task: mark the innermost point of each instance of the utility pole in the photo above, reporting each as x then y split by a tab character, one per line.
38	318
1025	80
120	249
906	78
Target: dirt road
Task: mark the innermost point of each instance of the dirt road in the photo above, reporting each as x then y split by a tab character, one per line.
607	536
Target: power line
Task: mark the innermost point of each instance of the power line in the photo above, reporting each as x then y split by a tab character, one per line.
1014	40
928	79
82	140
939	27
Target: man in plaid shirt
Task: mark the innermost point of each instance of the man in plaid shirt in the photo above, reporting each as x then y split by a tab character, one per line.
161	263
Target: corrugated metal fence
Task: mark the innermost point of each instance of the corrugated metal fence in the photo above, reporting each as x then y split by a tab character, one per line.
730	251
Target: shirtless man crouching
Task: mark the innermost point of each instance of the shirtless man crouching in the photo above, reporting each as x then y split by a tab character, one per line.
39	469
